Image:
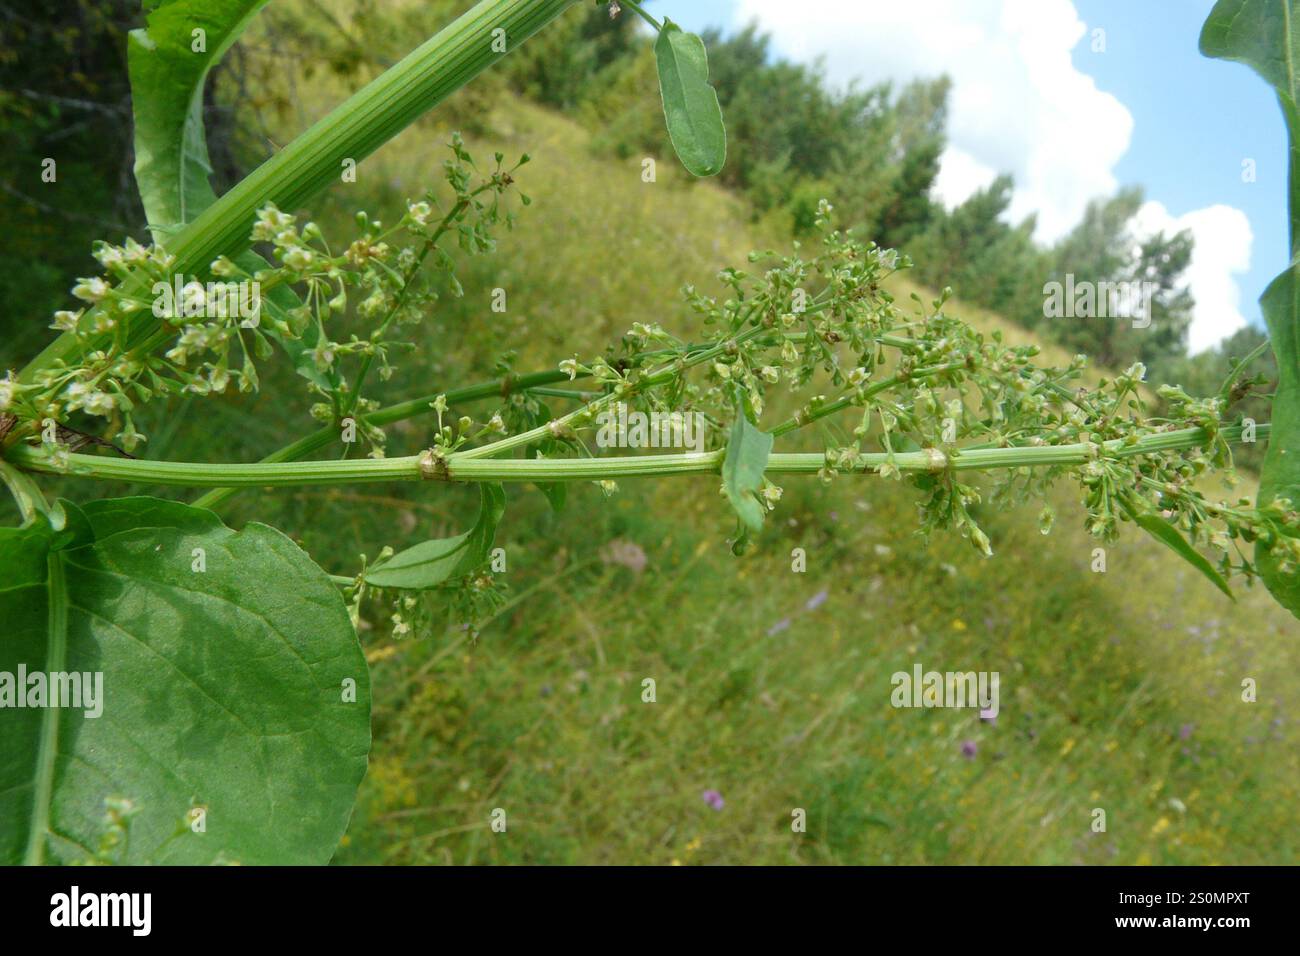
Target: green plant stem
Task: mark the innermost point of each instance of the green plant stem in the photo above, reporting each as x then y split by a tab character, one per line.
589	410
393	413
417	406
844	401
56	660
639	11
464	467
353	130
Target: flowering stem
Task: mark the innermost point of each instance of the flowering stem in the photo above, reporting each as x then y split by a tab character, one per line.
322	437
353	130
466	467
844	401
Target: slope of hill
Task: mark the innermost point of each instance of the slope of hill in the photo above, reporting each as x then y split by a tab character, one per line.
1121	691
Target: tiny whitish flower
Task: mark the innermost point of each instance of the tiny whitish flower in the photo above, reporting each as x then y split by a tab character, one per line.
91	290
496	423
570	367
374	304
770	373
299	259
223	267
323	355
440	404
771	494
270	222
134	253
419	212
789	354
6	393
109	256
857	376
66	321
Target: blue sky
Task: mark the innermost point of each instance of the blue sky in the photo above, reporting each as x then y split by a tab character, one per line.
1070	122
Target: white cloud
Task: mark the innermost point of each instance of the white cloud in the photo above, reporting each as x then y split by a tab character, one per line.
960	174
1018	105
1223	239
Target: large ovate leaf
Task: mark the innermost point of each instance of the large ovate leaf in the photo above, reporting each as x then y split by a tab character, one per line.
1279	476
748	449
232	684
691	107
168	62
432	563
1265	35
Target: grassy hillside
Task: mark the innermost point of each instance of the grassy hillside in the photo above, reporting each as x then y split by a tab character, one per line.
1120	690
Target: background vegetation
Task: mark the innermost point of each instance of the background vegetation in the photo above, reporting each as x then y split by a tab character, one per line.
1119	690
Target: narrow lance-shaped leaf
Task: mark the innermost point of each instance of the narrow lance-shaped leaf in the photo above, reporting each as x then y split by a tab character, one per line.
691	107
1265	35
203	717
432	563
1169	536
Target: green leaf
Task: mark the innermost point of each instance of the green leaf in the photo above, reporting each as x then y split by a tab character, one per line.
691	107
555	492
221	689
1265	35
167	75
742	469
1279	476
432	563
171	153
1168	535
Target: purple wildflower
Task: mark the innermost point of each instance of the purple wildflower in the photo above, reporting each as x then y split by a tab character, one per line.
779	626
817	600
714	799
968	749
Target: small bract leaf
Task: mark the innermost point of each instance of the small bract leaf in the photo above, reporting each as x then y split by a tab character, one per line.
1168	535
432	563
748	449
